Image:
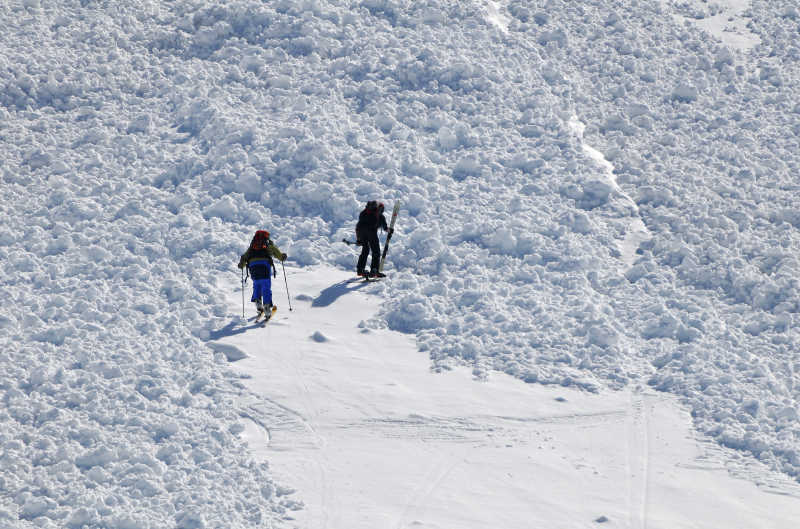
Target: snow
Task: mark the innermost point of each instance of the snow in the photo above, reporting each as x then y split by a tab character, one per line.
370	437
727	21
636	232
496	16
598	219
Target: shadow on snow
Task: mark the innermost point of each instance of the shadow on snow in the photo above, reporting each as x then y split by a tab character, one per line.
332	293
326	298
233	328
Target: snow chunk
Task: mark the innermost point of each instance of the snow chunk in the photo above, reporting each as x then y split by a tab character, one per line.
190	520
37	159
465	167
140	124
447	139
685	93
35	507
231	352
319	337
791	12
602	336
224	208
101	456
82	517
595	193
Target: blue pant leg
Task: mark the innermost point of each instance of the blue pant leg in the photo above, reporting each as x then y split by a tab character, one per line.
267	292
262	289
257	289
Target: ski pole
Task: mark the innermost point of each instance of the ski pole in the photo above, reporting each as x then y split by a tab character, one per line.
242	292
289	299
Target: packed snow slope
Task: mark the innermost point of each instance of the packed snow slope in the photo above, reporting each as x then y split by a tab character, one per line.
594	194
351	418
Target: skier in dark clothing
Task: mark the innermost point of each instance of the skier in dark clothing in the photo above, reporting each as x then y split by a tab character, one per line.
258	260
369	220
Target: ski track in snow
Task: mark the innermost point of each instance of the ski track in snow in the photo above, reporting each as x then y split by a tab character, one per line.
638	452
367	436
319	422
415	506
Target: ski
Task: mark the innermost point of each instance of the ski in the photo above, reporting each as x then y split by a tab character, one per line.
266	315
367	279
269	316
395	210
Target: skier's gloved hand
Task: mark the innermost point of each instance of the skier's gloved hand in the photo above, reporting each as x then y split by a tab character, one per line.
391	231
283	257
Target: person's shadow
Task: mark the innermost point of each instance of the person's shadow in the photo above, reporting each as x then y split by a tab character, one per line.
328	296
233	328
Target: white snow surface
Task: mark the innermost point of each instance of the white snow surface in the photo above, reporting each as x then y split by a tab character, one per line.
371	437
642	265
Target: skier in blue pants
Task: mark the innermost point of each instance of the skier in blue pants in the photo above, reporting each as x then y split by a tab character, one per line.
258	260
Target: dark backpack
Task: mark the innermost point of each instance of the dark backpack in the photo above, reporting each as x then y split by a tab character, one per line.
261	243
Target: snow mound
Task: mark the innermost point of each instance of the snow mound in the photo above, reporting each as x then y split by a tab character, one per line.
319	337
